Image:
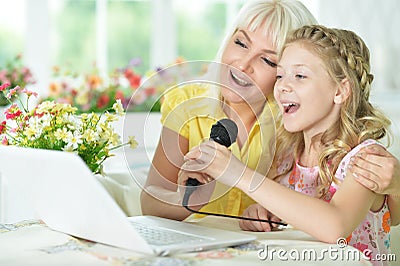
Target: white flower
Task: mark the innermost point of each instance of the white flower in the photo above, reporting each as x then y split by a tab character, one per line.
62	134
73	140
118	108
68	148
45	107
45	121
90	135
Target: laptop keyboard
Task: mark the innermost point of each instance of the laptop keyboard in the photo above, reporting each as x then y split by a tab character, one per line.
158	236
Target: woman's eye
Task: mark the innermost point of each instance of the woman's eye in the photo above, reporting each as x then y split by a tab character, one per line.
299	76
240	43
269	62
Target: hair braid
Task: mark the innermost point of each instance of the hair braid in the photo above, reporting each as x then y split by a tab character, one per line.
345	56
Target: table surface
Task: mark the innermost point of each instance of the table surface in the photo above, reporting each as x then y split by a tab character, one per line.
32	242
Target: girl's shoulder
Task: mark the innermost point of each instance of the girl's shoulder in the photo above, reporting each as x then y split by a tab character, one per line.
363	144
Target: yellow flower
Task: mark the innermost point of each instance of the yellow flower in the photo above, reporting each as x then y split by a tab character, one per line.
114	139
110	117
90	136
82	98
30	132
132	142
95	118
61	134
45	107
118	108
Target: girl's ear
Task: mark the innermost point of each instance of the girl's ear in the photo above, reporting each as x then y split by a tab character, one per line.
343	92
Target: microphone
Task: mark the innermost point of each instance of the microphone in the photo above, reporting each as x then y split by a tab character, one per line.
225	133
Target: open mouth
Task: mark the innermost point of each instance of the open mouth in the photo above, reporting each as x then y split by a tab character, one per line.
240	81
290	108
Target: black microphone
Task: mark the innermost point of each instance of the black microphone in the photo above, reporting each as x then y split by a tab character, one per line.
225	133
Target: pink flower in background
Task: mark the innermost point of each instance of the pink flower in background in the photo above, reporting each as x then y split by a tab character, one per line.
4	86
2	127
4	141
14	73
13	111
29	93
13	92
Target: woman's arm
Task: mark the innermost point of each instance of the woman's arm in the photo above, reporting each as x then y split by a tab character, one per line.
325	221
378	170
161	196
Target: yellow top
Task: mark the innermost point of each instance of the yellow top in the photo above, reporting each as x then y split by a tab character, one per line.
192	110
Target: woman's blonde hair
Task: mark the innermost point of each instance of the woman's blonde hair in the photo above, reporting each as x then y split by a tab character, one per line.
276	17
345	56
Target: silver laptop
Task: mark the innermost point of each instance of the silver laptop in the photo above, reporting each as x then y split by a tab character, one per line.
69	199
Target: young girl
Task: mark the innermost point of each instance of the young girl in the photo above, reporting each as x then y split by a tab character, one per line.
322	89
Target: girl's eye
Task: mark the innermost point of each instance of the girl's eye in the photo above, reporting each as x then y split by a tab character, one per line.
269	62
240	43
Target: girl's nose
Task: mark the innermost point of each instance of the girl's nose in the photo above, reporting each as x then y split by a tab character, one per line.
283	85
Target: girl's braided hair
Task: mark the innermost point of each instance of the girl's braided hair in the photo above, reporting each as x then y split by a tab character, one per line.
345	56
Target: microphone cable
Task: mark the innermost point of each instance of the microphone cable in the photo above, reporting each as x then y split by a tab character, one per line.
191	188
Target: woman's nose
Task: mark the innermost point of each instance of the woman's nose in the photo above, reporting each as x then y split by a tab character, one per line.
245	65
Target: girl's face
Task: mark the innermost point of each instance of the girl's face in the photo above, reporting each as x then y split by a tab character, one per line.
253	59
305	92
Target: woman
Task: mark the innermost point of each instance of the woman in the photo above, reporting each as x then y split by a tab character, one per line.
248	69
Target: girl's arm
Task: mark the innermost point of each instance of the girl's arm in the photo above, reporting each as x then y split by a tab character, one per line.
325	221
160	196
378	170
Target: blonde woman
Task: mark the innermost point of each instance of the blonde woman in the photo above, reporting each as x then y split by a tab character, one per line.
248	58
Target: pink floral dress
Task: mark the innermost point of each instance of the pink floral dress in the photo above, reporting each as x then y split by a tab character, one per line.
372	236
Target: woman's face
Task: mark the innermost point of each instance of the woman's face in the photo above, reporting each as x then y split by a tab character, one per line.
252	59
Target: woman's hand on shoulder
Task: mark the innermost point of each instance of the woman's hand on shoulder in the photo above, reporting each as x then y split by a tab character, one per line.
377	169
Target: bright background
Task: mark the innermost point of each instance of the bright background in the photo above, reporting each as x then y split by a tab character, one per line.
80	33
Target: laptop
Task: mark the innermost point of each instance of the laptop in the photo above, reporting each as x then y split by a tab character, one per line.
69	198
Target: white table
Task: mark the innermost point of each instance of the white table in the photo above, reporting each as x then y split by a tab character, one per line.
24	242
30	242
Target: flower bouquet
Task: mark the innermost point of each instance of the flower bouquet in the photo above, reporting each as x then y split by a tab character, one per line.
56	126
15	74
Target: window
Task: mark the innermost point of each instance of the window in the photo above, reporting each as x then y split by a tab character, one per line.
12	22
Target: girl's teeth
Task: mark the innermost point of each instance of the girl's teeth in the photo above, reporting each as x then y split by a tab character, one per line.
287	107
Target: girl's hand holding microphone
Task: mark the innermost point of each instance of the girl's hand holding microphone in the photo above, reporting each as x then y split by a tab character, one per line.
210	161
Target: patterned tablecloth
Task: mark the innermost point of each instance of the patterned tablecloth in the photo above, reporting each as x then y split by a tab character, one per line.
31	242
